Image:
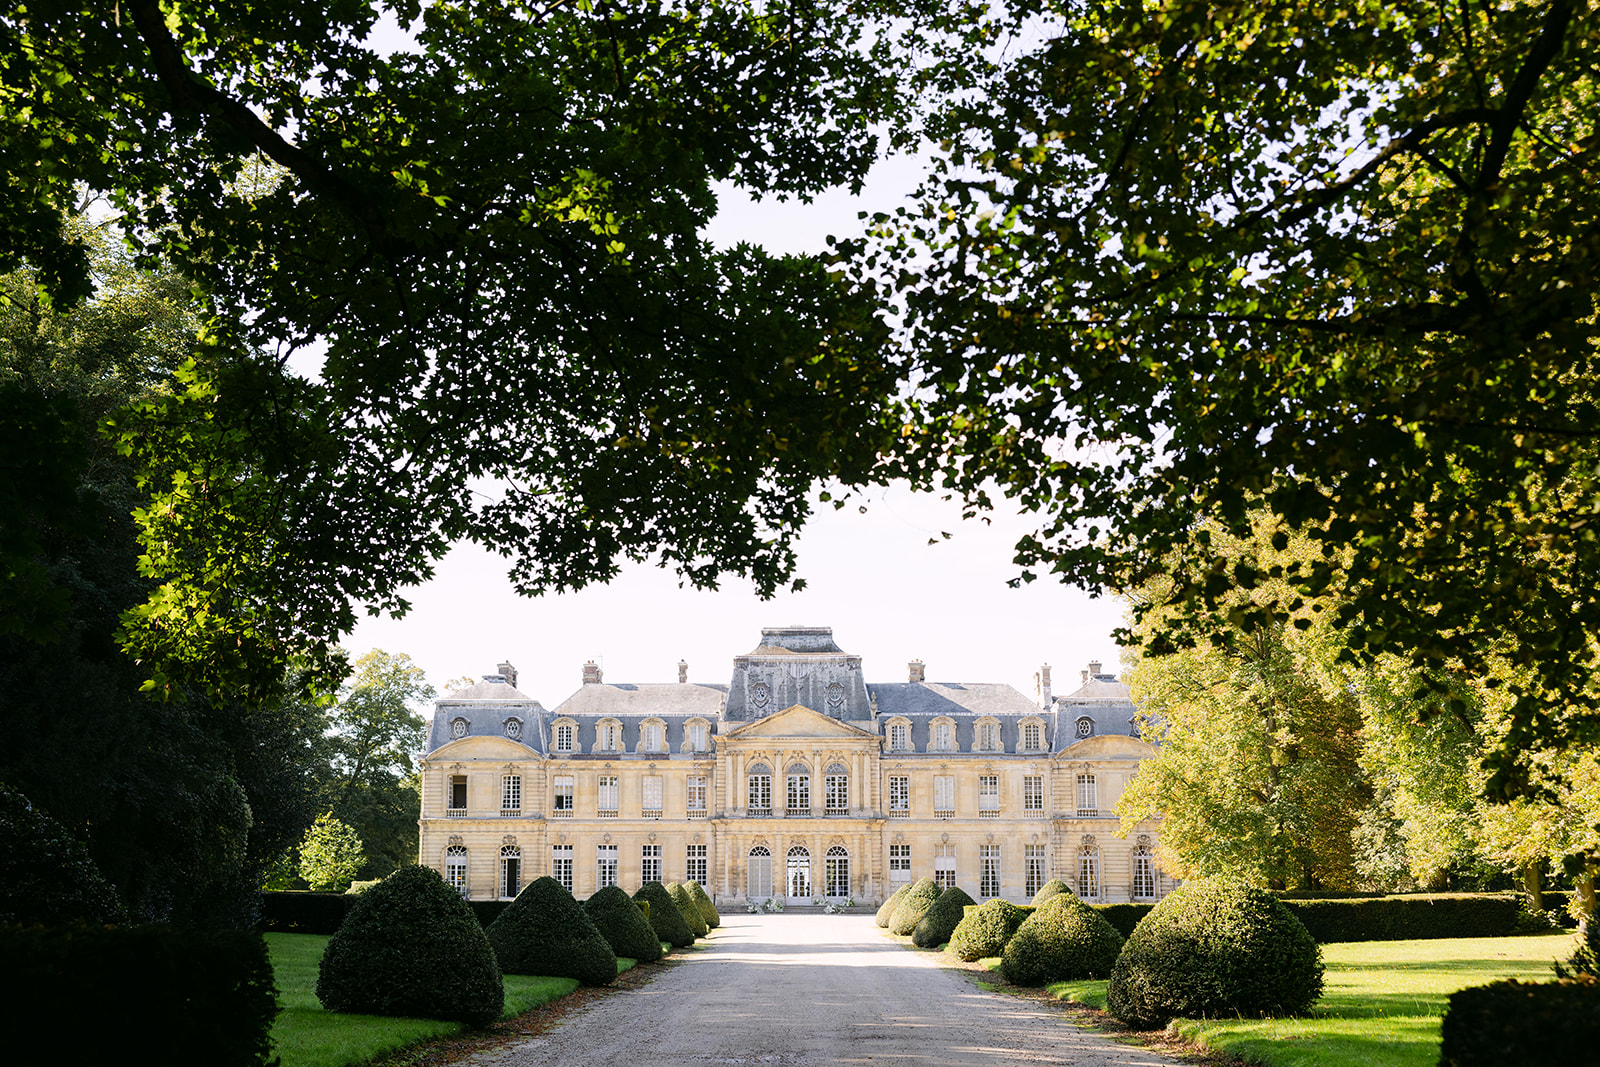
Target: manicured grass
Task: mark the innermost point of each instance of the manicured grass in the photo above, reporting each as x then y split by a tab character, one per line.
307	1036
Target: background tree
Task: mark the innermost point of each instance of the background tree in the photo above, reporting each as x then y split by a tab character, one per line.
331	855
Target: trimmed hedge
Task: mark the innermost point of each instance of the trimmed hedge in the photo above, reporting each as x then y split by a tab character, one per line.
546	932
1215	947
665	916
984	931
688	909
46	874
1054	887
1410	917
623	924
886	909
1063	939
305	913
918	899
90	994
411	946
708	910
941	918
1522	1024
1123	917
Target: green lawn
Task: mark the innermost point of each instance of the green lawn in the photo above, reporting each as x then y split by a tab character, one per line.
307	1036
1381	1004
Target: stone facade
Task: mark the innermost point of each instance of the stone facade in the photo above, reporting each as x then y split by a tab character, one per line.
798	780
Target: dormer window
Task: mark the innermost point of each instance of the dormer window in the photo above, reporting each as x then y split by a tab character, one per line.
1033	736
899	737
610	737
988	737
566	736
944	736
514	729
1085	727
458	728
652	737
699	737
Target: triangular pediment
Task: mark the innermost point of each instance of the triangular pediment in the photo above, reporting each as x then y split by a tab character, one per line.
799	721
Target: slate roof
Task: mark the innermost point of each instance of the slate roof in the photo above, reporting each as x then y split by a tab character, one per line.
486	705
913	699
644	700
1104	701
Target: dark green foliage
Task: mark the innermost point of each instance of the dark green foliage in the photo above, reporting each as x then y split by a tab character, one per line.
708	910
1585	960
1123	917
1522	1024
1064	938
941	918
90	994
1410	917
886	909
1215	947
664	915
688	909
1050	889
918	899
984	931
546	932
411	946
304	913
46	875
623	924
487	911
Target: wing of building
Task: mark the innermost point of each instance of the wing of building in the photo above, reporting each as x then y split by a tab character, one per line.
797	780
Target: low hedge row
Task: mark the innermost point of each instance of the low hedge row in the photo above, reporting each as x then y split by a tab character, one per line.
321	913
1414	917
184	996
1521	1024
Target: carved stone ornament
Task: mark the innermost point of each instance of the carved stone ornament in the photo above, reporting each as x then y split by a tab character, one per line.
835	694
760	694
509	839
1143	841
650	837
1088	840
561	838
605	837
944	839
698	838
455	839
989	839
1033	839
899	839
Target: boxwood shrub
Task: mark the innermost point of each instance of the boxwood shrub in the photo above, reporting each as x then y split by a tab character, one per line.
1410	917
984	931
623	924
1063	939
1522	1024
1215	947
546	932
46	874
1124	917
918	899
941	918
665	916
886	909
708	910
411	946
688	908
1053	887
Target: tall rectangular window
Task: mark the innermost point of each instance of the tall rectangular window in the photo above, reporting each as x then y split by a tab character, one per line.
652	738
837	793
561	865
1032	736
651	802
944	794
1144	874
511	795
695	864
944	737
698	737
649	863
1088	795
697	792
899	865
798	799
1033	858
608	794
899	737
761	794
1033	793
605	866
562	803
988	794
1089	873
566	733
899	794
610	737
944	866
989	876
456	798
988	737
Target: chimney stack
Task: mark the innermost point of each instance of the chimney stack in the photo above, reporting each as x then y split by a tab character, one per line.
509	673
916	670
1094	668
683	671
591	673
1042	684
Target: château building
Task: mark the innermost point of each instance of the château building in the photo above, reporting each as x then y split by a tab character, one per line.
797	779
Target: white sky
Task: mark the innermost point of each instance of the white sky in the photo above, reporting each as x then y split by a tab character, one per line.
889	595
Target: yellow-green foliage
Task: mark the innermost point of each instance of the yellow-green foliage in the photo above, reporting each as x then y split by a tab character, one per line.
886	909
983	932
1063	939
1051	888
708	910
918	899
688	908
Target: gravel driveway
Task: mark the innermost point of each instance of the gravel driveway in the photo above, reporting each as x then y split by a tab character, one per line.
812	989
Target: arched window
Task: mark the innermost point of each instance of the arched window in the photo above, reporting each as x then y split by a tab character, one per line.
899	737
797	873
455	868
836	872
760	779
609	736
1088	795
1085	727
988	736
1144	871
758	880
1089	871
836	791
797	790
566	736
510	871
1033	736
653	737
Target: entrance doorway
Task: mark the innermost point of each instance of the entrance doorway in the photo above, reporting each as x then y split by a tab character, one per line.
798	875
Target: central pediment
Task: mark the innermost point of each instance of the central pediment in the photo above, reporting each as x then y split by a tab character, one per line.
798	721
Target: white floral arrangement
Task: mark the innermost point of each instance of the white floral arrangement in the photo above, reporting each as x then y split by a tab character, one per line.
835	907
773	905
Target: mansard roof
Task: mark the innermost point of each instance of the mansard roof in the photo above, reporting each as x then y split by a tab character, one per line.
914	699
486	706
644	700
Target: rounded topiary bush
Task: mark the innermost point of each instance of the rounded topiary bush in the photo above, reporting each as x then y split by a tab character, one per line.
411	946
941	918
1063	939
1215	947
918	899
708	910
664	915
623	925
688	908
886	909
984	931
46	874
546	932
1054	887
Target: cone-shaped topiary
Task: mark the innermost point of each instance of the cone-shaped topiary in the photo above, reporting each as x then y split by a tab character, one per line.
546	932
46	874
688	908
1051	888
411	946
1215	947
918	899
1064	938
941	918
665	916
623	925
886	909
708	910
986	930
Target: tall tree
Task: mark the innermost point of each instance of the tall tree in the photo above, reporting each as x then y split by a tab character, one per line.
1182	258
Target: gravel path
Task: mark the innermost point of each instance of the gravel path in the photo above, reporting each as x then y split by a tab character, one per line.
786	990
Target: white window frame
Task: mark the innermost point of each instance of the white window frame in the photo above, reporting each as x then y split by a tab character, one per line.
899	865
697	736
564	737
1089	882
944	736
561	865
899	737
988	793
696	791
1144	873
988	736
563	794
651	791
1033	793
510	795
607	789
1034	869
944	866
1033	736
796	792
649	863
988	871
608	736
510	886
758	873
759	784
455	868
836	791
694	864
653	737
900	792
605	866
1084	727
944	794
1088	794
836	872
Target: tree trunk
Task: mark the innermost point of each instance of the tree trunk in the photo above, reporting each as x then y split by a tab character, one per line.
1533	883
